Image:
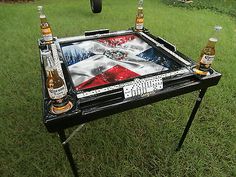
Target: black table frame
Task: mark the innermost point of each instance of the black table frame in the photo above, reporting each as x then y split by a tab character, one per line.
70	158
181	86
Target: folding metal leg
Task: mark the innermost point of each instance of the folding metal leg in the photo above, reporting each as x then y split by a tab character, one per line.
67	150
190	120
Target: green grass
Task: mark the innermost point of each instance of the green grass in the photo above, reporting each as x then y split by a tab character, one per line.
222	6
138	142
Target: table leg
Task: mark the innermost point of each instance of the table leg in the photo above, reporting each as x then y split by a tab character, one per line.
67	150
190	120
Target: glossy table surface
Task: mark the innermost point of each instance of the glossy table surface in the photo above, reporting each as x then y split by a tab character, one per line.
117	71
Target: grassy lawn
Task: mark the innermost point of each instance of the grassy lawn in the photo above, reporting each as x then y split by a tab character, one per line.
222	6
138	142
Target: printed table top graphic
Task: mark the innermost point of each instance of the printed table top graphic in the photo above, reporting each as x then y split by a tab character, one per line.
109	60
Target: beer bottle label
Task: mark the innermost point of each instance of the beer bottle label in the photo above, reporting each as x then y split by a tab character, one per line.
57	93
207	59
139	26
139	23
46	31
47	34
47	37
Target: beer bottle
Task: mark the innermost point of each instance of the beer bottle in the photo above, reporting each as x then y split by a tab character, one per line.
56	87
207	55
139	21
45	27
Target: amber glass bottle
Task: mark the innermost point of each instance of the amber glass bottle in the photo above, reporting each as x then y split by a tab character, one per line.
56	87
206	57
139	21
207	54
45	27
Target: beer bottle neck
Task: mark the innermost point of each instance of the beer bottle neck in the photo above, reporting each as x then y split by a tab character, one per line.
140	11
40	11
211	42
140	3
43	18
42	15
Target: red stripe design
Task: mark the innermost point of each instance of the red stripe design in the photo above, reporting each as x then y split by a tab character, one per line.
117	40
116	73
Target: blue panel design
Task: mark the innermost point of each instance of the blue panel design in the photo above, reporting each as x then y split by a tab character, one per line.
153	55
73	54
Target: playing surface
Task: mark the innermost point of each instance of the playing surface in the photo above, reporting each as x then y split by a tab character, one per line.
109	60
